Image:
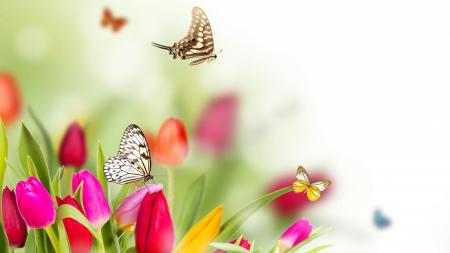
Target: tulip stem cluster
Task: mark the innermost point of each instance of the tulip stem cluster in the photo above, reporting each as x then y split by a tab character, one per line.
53	238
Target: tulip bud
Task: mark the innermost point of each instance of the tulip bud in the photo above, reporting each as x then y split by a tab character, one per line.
154	228
215	128
72	151
243	244
127	212
10	101
198	238
13	224
94	201
80	239
295	234
35	203
171	143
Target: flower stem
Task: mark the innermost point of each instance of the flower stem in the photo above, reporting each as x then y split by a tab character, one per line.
53	239
170	187
100	247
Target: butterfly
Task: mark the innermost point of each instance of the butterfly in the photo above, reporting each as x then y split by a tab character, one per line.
198	43
303	184
108	20
380	220
132	163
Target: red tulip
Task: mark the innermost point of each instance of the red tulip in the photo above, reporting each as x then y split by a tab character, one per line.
80	239
10	101
243	243
172	143
154	228
35	203
72	151
292	203
215	128
150	138
13	223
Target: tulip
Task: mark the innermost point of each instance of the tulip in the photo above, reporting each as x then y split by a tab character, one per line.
243	244
72	151
154	228
13	224
94	201
201	234
10	101
295	234
171	143
35	203
127	212
215	127
150	138
80	239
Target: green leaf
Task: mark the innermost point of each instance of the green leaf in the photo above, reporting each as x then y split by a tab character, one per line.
319	248
56	182
51	154
39	240
29	147
3	240
131	250
63	238
110	240
31	167
229	247
123	241
191	205
67	211
314	234
230	227
30	244
3	156
100	174
124	191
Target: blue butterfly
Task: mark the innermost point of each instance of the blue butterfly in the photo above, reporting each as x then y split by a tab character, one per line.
380	220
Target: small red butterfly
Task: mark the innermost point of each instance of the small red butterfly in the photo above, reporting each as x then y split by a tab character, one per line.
108	20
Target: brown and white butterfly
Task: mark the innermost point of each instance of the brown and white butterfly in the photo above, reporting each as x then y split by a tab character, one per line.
198	43
132	163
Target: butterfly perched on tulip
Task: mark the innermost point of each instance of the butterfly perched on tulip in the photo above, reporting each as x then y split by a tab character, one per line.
132	163
108	20
198	43
380	220
303	183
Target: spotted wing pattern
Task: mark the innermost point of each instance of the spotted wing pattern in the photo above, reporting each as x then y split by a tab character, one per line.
133	162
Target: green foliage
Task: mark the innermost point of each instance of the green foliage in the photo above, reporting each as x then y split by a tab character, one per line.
3	157
3	241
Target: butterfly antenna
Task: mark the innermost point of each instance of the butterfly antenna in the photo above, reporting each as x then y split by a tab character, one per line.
161	46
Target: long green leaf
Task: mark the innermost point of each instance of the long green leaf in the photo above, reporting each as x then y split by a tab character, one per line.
131	250
63	238
319	248
3	240
110	240
30	244
3	156
67	211
230	227
191	204
100	174
51	154
29	147
56	182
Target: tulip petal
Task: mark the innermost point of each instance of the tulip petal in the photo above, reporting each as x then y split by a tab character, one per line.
295	234
13	223
10	99
171	143
73	150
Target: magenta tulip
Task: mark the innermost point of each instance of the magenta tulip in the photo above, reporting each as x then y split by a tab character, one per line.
13	224
35	203
216	125
127	212
72	151
94	201
295	234
154	228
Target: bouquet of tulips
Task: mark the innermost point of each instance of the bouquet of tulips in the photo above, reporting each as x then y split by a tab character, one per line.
54	208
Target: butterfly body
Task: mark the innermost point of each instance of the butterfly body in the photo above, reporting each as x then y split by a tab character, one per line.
198	43
303	184
133	162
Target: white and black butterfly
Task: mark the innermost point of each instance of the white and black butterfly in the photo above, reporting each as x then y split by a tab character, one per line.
132	163
198	43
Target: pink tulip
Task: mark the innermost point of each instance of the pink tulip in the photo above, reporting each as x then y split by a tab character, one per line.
154	228
216	125
243	244
13	224
94	201
35	203
127	212
72	151
295	234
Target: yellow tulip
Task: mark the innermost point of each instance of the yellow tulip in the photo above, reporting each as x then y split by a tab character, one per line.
201	234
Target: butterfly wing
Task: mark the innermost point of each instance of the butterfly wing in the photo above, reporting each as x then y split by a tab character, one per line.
313	191
107	17
118	23
302	175
134	147
120	170
199	40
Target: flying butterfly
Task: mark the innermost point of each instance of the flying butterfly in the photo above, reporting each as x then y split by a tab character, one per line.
108	20
303	184
132	163
198	43
380	220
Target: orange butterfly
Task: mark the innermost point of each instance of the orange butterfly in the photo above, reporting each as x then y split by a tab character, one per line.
108	20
